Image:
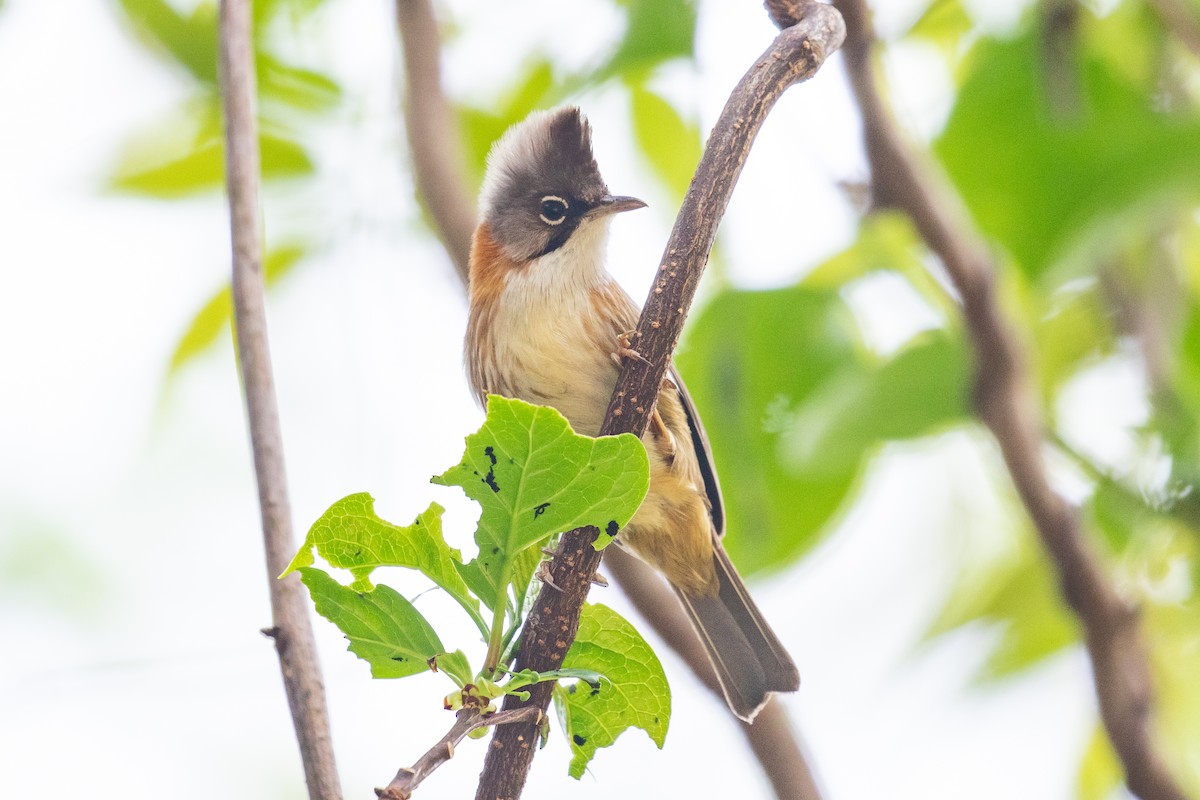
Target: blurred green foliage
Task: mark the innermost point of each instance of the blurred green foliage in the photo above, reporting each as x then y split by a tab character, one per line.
215	316
656	32
795	405
182	154
1090	199
1056	179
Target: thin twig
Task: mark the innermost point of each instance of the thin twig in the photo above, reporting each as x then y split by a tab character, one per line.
433	133
1007	404
794	56
291	630
771	737
468	719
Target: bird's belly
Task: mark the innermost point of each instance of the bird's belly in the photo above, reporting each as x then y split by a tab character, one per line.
561	366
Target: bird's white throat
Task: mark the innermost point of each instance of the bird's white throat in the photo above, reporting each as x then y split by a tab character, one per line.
562	279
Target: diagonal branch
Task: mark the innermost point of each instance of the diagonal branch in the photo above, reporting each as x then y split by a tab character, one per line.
1180	20
433	133
794	56
468	719
1006	403
291	629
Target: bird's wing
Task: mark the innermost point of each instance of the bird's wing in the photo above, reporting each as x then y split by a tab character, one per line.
621	314
708	470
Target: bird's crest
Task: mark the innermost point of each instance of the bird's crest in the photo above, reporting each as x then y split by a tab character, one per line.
548	152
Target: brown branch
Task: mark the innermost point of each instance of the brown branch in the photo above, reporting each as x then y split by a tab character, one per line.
1007	404
1181	21
771	737
291	629
433	133
409	778
1059	45
794	56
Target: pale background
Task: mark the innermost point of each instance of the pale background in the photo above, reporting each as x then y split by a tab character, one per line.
133	585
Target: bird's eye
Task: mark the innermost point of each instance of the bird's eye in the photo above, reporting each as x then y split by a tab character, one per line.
554	210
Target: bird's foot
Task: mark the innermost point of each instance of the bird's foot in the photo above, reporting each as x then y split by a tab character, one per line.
625	351
543	575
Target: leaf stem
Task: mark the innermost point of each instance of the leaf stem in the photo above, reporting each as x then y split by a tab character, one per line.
496	634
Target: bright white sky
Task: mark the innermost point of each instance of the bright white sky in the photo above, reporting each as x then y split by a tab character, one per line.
132	663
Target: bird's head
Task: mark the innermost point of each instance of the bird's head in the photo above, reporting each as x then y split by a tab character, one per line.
543	187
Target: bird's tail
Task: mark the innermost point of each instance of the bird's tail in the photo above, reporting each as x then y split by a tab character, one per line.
749	660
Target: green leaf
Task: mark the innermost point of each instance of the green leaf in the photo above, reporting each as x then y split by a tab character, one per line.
190	41
886	242
1175	657
1115	512
1020	597
351	536
1045	183
747	356
1176	415
197	169
794	406
383	628
944	23
482	127
535	477
265	10
1072	328
296	87
656	31
456	666
215	315
924	387
633	693
1099	772
670	145
202	168
524	565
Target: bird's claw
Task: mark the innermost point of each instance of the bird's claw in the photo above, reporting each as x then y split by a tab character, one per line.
543	575
625	351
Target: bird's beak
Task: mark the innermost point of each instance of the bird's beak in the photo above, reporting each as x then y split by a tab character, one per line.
613	205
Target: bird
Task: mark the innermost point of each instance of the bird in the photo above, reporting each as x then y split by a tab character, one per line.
548	324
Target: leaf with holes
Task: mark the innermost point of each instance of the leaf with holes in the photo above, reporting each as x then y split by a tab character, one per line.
536	477
383	628
350	535
633	693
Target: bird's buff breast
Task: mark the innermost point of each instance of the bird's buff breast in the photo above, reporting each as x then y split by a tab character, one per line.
554	355
547	331
547	336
